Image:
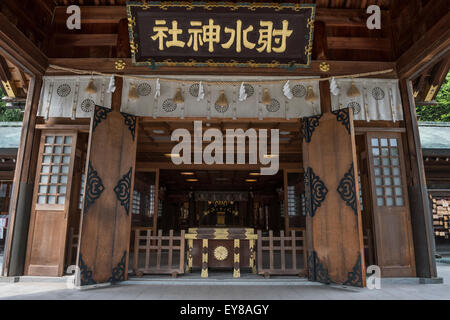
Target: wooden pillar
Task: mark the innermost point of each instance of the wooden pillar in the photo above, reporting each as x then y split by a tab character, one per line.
421	219
156	203
19	213
106	220
320	47
334	227
123	40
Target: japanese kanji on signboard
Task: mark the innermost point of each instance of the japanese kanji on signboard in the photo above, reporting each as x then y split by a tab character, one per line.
221	34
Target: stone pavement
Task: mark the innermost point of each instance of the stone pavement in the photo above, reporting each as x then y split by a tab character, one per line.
137	290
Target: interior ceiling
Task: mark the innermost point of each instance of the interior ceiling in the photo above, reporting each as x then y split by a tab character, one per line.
219	180
347	37
154	140
350	4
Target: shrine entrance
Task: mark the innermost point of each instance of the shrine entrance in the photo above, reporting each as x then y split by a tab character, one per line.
221	211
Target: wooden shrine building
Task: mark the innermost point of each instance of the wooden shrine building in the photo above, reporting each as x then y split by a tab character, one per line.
175	137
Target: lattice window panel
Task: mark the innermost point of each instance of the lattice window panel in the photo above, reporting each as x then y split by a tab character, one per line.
54	170
136	202
293	201
389	189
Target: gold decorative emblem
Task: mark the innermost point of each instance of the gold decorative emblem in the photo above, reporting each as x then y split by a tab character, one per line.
324	67
220	253
120	65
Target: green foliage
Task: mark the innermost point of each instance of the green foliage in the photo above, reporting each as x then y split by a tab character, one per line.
441	112
8	114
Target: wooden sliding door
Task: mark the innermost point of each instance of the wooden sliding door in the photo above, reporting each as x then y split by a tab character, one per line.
392	219
106	219
49	215
333	224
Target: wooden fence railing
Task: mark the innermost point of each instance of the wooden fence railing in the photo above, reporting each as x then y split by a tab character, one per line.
162	254
281	255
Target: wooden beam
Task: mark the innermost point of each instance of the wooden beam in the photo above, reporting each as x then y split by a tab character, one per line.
113	14
146	166
108	39
438	77
93	14
27	19
6	79
19	49
107	65
359	43
320	46
435	42
5	74
167	148
23	80
7	175
85	40
78	127
123	40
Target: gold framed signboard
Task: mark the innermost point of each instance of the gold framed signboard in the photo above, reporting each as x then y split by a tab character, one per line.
221	34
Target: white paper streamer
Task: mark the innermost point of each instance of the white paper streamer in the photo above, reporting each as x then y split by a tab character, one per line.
158	89
242	93
287	90
201	92
334	87
112	85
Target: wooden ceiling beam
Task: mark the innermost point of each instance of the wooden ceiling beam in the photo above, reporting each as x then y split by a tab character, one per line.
165	148
417	24
435	42
145	166
7	81
19	49
23	80
113	14
436	80
26	18
85	40
107	65
420	84
96	40
5	74
359	43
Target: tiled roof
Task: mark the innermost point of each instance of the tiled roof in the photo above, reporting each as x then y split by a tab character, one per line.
434	135
10	134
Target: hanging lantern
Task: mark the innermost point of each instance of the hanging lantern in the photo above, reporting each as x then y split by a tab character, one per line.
178	98
90	89
353	91
133	94
310	95
266	99
222	100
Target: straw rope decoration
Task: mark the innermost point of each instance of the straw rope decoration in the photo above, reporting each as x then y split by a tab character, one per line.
219	83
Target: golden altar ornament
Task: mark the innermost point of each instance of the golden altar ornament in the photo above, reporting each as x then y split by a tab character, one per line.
220	253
